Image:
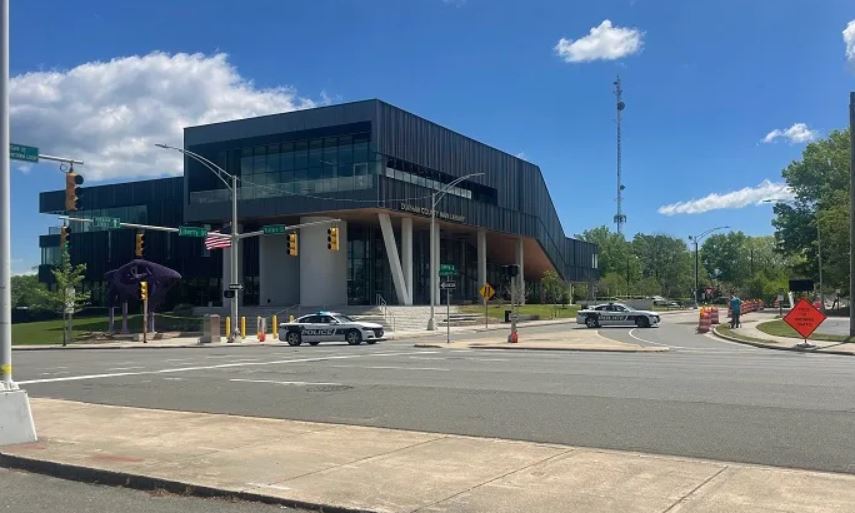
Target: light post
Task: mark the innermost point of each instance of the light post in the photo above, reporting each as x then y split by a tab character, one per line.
818	245
230	181
695	239
434	254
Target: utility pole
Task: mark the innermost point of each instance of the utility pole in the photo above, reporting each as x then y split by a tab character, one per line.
851	214
620	217
16	418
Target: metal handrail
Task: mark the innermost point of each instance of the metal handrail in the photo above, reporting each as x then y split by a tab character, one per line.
388	318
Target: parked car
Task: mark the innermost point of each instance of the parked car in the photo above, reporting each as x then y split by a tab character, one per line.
616	314
329	326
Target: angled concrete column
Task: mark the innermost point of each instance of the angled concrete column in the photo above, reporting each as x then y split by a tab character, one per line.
482	257
407	256
278	272
392	257
521	277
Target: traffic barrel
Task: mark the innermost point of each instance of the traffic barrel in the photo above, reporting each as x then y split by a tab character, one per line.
704	321
713	315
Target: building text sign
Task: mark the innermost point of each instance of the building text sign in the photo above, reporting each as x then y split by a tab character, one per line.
406	207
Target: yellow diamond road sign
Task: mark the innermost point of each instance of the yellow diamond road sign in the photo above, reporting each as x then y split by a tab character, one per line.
487	291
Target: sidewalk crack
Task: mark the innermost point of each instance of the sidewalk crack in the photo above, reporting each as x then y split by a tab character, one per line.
694	490
506	474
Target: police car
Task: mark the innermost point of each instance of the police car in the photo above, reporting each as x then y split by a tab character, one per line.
616	314
329	326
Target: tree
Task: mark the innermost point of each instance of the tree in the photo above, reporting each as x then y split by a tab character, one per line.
68	296
727	257
28	292
667	260
615	255
820	184
553	286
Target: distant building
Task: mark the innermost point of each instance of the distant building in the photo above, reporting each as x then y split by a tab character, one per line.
367	163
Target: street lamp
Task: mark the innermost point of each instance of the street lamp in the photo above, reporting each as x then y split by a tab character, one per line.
818	244
230	182
695	239
434	254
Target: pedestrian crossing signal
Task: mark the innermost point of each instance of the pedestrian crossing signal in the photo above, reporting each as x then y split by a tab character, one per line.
293	249
139	246
143	291
332	239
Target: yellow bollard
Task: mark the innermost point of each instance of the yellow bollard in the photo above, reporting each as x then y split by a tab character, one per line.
275	327
242	326
228	327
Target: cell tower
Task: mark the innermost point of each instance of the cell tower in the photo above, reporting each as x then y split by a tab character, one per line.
620	217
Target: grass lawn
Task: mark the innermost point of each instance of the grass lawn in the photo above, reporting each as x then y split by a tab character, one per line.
544	311
780	328
50	332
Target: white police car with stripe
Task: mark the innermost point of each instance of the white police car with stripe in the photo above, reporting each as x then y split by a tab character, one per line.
616	314
329	326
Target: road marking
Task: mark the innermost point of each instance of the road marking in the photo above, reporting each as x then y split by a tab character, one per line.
296	383
652	342
211	367
124	368
389	367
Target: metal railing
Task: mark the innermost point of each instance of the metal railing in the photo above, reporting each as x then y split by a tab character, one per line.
388	317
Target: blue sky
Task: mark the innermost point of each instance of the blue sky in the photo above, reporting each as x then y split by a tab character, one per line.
704	82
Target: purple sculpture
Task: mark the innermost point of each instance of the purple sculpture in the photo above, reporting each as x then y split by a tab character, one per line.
123	285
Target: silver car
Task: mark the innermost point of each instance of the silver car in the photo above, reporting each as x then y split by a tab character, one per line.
616	314
329	326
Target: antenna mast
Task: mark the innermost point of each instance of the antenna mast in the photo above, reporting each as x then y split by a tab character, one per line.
620	217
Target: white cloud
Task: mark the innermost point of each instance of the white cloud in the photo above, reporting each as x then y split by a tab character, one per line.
798	133
604	42
849	39
110	114
521	155
734	199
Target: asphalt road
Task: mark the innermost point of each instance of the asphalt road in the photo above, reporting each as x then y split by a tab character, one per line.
23	492
705	398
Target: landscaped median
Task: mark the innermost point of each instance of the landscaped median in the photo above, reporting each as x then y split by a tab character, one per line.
770	334
332	467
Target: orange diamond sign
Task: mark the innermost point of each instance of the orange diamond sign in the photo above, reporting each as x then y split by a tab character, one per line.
804	318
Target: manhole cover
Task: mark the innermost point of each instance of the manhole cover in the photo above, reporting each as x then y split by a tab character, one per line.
328	388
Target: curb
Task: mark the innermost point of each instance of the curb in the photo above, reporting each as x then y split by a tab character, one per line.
147	483
571	349
793	348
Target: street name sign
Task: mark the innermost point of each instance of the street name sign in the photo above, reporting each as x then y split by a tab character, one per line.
25	153
448	285
447	270
273	229
804	318
109	223
235	286
192	231
487	291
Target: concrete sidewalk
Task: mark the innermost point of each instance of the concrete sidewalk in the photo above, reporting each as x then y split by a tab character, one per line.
755	337
350	468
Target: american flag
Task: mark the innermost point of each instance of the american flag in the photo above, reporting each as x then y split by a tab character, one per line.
218	241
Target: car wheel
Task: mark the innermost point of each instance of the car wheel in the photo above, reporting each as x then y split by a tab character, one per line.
314	343
642	322
592	322
294	338
353	337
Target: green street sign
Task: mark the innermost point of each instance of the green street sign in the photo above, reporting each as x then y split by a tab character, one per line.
447	270
273	229
25	153
192	231
108	223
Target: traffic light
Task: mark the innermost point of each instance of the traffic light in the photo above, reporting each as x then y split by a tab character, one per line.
138	248
64	232
293	250
143	291
72	191
332	238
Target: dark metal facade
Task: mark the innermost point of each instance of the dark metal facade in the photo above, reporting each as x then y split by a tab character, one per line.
511	197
